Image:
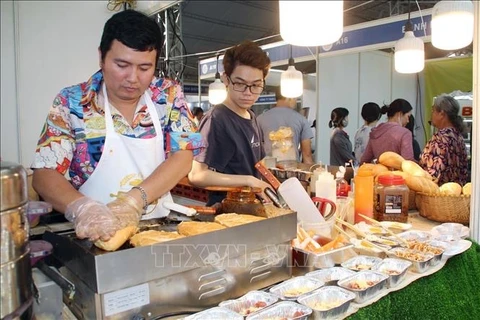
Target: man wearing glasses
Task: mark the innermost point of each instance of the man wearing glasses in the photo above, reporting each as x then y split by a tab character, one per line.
231	129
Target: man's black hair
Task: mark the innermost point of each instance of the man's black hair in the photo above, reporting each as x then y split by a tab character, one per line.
133	29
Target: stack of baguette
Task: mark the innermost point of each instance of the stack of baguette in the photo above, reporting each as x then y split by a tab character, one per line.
415	177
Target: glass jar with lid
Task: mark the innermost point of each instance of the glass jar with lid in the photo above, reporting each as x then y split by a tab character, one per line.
391	198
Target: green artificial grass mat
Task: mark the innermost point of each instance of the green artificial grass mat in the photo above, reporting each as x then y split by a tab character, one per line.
451	293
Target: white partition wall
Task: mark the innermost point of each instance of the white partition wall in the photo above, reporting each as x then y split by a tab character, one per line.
48	45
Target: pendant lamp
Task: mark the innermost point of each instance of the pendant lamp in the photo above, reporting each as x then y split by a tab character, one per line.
217	92
311	23
452	24
409	51
291	80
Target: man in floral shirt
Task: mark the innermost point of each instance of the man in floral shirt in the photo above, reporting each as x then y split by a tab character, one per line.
124	137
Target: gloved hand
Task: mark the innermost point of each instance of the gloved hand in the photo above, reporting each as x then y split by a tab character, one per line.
127	209
92	219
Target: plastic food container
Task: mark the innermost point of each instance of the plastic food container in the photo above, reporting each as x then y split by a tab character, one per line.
360	263
295	287
35	209
331	276
396	269
310	261
364	284
250	303
217	313
415	235
283	310
39	249
420	260
329	302
391	198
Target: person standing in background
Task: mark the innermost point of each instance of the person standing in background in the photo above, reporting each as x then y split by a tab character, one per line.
231	130
391	135
371	114
416	146
198	114
285	115
445	155
340	146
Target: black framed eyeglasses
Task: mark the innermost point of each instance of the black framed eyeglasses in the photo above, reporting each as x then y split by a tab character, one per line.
241	87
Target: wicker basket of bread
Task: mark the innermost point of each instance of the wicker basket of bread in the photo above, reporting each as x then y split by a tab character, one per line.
448	203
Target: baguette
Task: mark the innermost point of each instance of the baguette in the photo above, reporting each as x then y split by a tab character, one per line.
391	159
191	228
150	237
412	168
115	242
422	184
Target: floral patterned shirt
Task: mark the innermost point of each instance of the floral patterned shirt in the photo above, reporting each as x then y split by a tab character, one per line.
73	136
445	156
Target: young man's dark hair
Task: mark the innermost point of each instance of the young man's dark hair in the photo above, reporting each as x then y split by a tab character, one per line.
133	29
247	53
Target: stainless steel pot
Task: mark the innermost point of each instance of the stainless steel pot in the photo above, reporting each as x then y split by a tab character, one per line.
15	269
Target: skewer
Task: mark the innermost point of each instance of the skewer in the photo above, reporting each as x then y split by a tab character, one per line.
340	230
375	222
352	227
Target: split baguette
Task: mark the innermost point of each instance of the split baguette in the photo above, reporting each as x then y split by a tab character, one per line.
191	228
422	184
233	219
150	237
391	159
115	242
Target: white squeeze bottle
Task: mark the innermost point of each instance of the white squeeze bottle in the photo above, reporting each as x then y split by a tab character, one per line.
326	186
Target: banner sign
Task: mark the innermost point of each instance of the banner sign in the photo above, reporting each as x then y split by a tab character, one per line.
382	31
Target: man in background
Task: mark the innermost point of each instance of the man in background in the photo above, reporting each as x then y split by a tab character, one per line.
285	115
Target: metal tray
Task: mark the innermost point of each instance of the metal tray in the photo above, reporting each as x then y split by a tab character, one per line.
396	269
295	287
329	302
360	263
420	260
216	313
250	303
366	290
331	275
283	310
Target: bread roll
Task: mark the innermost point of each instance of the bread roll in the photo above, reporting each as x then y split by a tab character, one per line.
191	228
422	184
233	219
451	188
150	237
467	189
115	242
391	159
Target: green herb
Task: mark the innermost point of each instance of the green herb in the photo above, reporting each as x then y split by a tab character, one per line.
451	293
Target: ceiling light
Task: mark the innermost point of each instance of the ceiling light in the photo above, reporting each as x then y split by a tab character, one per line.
217	92
452	24
311	23
291	81
409	51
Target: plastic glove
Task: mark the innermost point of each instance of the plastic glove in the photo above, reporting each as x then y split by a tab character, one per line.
92	219
127	209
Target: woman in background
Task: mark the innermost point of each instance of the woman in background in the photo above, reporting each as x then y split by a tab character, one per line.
416	146
391	135
340	145
445	155
371	113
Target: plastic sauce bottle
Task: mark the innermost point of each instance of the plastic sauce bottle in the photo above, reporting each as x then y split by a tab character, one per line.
326	187
391	198
363	195
341	183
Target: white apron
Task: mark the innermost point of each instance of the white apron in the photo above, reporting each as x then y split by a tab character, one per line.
125	162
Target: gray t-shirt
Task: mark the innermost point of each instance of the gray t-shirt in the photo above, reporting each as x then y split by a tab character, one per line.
280	116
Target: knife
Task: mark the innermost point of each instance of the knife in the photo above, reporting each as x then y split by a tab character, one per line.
268	175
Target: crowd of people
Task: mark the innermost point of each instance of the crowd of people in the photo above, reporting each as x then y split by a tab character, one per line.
114	146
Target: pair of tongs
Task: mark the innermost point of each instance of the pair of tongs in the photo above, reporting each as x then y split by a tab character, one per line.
402	241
